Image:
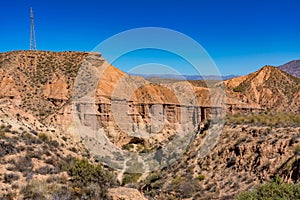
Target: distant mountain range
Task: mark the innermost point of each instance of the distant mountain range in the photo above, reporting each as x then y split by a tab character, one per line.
292	68
184	77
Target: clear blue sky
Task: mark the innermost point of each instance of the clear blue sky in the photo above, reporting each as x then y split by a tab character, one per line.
240	35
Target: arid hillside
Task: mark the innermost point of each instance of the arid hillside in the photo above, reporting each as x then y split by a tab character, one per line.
54	106
34	81
244	157
268	87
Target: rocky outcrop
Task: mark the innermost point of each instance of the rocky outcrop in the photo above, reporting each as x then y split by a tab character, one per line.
56	88
122	193
8	87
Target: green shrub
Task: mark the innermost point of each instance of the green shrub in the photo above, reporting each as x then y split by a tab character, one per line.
127	146
2	134
272	190
131	178
151	178
83	173
89	181
44	137
153	181
296	150
201	177
240	88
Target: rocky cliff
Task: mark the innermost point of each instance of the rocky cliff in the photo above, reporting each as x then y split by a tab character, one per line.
42	83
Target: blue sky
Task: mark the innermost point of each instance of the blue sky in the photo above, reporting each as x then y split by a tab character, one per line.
240	36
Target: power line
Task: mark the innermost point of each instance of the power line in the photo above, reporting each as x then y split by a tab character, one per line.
32	32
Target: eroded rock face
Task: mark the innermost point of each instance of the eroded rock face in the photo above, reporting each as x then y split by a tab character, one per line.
127	107
46	84
56	88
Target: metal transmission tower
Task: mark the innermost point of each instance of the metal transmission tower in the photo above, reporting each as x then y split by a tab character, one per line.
32	32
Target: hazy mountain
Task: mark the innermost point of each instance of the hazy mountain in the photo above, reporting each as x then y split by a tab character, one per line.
184	77
292	68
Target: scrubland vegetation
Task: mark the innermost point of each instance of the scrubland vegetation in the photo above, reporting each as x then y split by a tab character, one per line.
276	189
36	168
267	119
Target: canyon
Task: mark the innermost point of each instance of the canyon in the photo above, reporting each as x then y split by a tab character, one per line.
95	111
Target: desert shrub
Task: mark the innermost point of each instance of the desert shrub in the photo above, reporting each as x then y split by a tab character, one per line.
130	178
34	132
44	137
83	174
240	88
4	128
21	148
35	154
64	138
184	187
37	190
34	190
30	139
152	183
9	178
127	146
7	148
201	177
146	150
2	134
8	196
153	177
73	149
272	190
296	150
53	143
231	162
45	170
51	160
23	164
